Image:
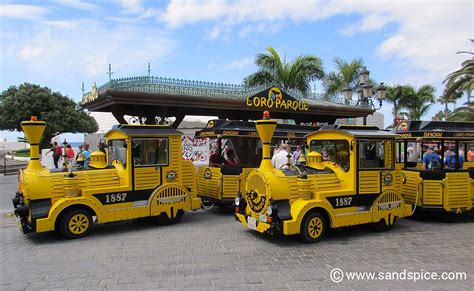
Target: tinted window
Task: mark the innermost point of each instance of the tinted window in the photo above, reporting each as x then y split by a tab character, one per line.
332	150
150	152
117	151
375	154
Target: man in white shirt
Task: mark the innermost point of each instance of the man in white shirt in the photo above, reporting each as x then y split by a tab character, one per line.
280	160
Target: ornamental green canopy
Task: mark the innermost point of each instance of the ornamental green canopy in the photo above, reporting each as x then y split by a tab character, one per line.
153	99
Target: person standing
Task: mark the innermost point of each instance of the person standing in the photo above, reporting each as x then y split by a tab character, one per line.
296	154
281	158
57	152
80	157
275	152
70	154
87	156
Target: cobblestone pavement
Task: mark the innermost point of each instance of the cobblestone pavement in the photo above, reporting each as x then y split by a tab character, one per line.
210	250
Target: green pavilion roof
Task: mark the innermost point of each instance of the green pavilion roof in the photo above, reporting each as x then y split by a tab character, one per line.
165	97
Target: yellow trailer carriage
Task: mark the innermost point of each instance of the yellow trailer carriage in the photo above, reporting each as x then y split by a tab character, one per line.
142	174
220	183
448	185
349	179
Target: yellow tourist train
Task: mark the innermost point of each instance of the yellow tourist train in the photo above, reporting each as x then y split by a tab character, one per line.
437	162
350	178
219	181
142	174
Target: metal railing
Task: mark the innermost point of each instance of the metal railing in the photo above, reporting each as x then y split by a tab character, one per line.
200	88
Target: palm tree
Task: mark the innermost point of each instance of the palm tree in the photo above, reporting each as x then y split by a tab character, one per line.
456	96
346	73
465	113
439	116
397	95
461	78
295	75
419	101
446	99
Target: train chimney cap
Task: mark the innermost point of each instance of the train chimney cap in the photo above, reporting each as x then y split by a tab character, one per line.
266	114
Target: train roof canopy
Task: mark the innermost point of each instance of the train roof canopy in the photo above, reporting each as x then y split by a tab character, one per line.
435	129
228	128
147	130
358	131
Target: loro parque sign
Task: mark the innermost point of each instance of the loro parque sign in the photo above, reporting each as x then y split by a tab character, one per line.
274	98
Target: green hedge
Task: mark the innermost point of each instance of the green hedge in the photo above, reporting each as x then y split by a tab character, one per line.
22	153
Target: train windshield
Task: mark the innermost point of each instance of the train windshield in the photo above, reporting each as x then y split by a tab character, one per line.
332	150
237	152
117	151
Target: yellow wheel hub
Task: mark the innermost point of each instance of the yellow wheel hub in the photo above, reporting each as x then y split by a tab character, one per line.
315	227
78	224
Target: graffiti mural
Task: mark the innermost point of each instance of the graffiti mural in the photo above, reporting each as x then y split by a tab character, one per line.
196	149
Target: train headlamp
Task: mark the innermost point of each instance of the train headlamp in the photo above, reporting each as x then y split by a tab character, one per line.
237	201
269	210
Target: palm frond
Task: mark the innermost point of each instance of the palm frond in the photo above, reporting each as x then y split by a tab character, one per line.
465	113
259	78
303	71
346	73
289	75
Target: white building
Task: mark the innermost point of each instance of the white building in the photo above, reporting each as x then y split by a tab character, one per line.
376	119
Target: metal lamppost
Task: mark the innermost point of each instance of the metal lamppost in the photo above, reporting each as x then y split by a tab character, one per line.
366	92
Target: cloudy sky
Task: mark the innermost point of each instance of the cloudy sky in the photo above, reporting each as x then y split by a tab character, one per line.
62	43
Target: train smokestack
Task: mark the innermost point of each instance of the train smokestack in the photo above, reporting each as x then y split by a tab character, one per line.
266	128
33	130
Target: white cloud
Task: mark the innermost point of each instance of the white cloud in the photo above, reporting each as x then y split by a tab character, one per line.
131	6
65	24
239	63
426	34
22	11
77	4
30	52
272	27
233	65
182	12
371	22
219	31
421	42
83	51
428	37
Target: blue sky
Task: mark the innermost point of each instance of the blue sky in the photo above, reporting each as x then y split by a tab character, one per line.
62	43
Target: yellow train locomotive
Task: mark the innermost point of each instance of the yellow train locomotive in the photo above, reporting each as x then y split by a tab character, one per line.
350	178
141	174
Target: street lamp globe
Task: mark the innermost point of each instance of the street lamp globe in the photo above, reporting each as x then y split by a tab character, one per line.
366	90
381	92
363	75
347	93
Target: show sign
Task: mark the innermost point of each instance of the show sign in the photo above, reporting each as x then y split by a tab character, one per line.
274	98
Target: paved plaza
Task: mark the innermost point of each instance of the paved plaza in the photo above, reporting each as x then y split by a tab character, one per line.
210	250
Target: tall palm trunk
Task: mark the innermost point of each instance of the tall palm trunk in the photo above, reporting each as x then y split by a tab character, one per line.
468	93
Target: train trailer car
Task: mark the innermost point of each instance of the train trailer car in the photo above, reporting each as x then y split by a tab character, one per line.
349	179
437	162
142	174
219	182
